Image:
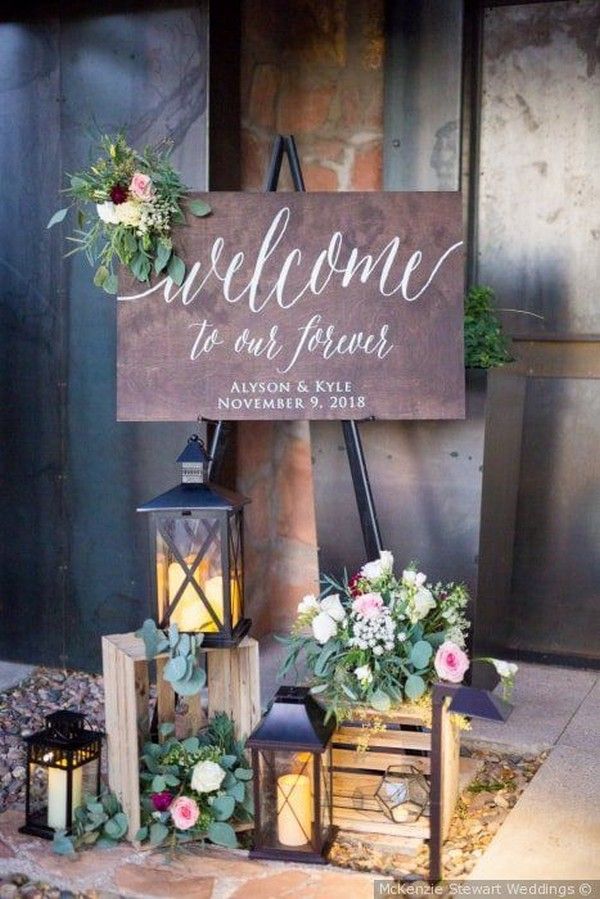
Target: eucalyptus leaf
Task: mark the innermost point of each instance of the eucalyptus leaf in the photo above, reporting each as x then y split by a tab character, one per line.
192	686
166	729
62	844
158	833
163	254
238	791
414	686
102	273
222	834
199	208
380	700
140	267
192	744
142	834
421	653
111	285
159	784
243	773
227	761
175	669
223	807
176	269
58	217
173	635
104	842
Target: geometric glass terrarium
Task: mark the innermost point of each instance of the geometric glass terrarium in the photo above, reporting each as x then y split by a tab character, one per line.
403	793
196	550
291	763
63	765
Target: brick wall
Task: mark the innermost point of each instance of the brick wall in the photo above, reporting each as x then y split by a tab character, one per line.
312	68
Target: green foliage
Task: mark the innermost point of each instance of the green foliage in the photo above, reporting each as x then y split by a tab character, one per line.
99	821
183	670
167	770
133	230
486	345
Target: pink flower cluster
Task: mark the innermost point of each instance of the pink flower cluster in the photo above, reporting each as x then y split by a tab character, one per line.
368	605
451	662
184	811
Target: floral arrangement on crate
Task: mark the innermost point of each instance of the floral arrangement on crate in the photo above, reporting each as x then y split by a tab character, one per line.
193	789
380	640
127	203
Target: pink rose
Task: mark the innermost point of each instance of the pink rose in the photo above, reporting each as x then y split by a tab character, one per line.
184	812
369	605
141	186
451	662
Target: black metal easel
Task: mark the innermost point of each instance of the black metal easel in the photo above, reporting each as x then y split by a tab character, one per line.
286	146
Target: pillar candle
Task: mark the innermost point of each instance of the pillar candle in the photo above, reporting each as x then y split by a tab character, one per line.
57	796
293	810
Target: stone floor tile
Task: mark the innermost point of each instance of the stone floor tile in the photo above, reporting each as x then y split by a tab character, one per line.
143	882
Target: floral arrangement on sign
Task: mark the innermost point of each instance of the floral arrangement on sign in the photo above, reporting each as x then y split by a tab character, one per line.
127	203
192	789
380	640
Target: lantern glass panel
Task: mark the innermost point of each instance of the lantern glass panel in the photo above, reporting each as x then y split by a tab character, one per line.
236	567
325	794
287	801
183	544
49	804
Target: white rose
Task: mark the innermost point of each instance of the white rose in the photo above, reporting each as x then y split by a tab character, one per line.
128	213
333	606
207	777
409	577
107	212
307	604
383	565
324	627
422	604
420	579
364	674
505	669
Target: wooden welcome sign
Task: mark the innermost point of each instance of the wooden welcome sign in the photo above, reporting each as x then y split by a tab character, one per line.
301	305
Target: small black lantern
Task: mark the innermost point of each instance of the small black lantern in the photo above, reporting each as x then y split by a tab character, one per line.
63	765
196	548
291	763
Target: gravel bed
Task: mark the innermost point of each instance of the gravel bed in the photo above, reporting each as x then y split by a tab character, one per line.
480	812
22	712
19	886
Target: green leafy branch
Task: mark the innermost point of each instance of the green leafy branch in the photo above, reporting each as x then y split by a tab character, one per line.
183	670
99	821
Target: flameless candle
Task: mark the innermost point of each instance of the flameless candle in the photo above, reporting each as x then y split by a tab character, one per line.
57	796
293	809
190	614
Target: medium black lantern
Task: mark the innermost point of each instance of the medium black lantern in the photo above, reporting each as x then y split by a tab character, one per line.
291	762
196	548
63	765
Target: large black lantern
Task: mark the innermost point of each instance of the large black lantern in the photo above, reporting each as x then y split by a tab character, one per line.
291	763
63	765
196	549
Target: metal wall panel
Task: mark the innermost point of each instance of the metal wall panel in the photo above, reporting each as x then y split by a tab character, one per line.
145	71
422	95
539	189
554	606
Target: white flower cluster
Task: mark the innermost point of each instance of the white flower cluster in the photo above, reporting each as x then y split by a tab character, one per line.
155	216
378	634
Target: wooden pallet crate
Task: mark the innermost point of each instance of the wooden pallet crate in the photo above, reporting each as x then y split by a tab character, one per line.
357	772
233	687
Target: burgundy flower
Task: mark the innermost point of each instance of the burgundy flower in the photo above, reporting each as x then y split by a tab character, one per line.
353	584
118	194
162	801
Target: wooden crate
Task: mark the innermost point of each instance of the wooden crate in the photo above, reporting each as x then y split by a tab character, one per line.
233	687
357	774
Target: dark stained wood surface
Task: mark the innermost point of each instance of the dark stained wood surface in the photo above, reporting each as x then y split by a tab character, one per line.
415	365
